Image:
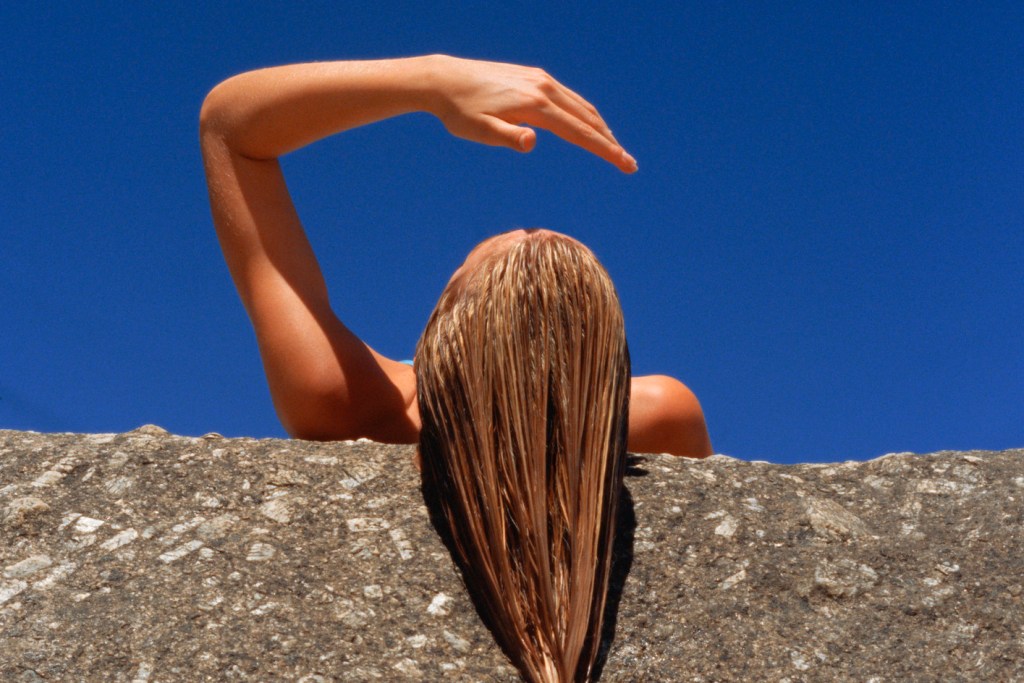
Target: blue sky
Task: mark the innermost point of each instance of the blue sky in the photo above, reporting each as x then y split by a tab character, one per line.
825	239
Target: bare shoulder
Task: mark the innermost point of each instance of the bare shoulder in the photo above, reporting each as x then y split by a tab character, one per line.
666	417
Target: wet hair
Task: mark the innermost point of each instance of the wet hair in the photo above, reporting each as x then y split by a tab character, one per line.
523	383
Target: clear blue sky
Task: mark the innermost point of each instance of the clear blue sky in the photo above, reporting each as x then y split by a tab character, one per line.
825	239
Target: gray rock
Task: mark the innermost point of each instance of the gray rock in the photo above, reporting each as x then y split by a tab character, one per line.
17	511
151	557
29	565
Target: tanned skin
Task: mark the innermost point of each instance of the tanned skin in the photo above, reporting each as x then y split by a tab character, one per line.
326	383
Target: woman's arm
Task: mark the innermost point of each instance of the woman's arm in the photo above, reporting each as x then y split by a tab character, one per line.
325	382
266	113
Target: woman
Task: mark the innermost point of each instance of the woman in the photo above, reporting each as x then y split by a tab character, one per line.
521	399
325	382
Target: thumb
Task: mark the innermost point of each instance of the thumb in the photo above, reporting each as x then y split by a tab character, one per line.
505	134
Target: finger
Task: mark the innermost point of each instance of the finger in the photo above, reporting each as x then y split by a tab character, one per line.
500	133
573	102
580	133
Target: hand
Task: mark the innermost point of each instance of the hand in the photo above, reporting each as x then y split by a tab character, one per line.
484	102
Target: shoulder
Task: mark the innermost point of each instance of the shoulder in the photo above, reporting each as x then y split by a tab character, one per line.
666	417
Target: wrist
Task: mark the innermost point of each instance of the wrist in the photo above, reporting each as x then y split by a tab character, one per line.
426	78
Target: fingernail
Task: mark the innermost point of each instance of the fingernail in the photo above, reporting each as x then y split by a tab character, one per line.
630	161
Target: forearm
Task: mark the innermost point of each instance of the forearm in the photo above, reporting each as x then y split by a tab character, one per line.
267	113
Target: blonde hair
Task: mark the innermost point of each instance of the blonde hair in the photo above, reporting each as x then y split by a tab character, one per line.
523	386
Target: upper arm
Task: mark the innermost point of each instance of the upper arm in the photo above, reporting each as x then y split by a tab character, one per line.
325	382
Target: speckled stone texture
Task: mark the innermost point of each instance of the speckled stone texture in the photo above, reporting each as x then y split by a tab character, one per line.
151	557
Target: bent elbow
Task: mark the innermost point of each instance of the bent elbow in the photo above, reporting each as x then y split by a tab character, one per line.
223	112
213	112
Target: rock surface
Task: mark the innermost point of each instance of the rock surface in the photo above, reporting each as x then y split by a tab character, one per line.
151	557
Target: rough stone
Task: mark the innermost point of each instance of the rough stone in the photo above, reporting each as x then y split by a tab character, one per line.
151	557
30	565
20	509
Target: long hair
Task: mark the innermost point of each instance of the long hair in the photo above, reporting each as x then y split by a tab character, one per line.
523	385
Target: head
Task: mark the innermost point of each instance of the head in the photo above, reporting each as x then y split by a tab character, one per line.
523	386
